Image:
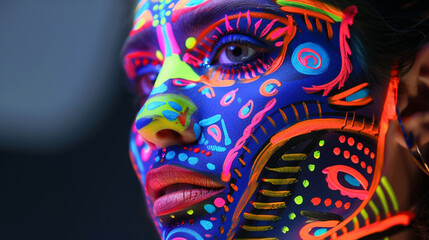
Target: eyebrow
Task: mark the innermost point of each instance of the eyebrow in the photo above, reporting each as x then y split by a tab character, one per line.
198	19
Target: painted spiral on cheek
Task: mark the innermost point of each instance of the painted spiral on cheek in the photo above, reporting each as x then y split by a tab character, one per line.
310	59
268	88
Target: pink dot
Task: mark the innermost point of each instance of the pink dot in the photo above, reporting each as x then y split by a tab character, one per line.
355	159
369	169
359	146
208	236
337	151
366	151
346	154
179	238
139	140
213	219
219	202
351	141
372	155
342	139
363	164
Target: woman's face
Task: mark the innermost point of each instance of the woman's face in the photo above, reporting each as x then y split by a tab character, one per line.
254	121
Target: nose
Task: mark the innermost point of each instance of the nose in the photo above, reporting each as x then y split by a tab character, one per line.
168	119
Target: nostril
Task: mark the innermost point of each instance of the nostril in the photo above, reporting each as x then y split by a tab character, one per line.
169	134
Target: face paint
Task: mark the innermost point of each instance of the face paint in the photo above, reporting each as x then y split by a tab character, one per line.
264	129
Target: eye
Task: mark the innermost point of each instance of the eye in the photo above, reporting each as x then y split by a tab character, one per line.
145	83
235	54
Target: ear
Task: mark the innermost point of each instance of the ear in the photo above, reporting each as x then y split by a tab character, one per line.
413	100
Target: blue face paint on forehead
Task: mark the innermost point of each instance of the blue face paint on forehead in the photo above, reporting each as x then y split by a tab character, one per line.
255	126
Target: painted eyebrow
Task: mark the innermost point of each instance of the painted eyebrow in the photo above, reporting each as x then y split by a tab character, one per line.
197	20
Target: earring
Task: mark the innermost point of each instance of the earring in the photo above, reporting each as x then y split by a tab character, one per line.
417	154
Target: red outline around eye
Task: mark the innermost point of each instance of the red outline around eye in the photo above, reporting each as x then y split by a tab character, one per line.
304	233
333	184
129	66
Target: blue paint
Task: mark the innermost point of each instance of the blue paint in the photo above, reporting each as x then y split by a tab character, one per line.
351	180
320	231
317	64
205	91
228	98
213	130
143	122
193	160
358	95
167	45
215	148
154	105
206	142
171	235
141	10
211	166
245	111
159	90
141	110
269	88
183	157
170	155
136	154
193	3
170	115
197	130
209	208
207	225
157	159
225	134
239	100
202	139
175	106
210	121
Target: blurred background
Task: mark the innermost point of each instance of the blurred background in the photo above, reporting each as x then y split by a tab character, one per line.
65	117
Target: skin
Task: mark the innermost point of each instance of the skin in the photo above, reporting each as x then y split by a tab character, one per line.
260	116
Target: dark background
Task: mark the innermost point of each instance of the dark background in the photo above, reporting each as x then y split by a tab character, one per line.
65	117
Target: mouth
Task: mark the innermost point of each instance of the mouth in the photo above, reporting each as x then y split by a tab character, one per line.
172	189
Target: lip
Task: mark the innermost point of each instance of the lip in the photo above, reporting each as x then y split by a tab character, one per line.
173	189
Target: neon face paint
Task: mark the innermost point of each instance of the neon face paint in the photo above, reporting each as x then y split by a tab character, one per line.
264	128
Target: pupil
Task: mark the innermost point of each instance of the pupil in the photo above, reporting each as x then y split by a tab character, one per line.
236	51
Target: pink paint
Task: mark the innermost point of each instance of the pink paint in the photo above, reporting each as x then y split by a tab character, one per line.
279	44
278	33
257	24
232	154
268	27
218	29
191	60
252	72
249	20
172	40
216	134
139	140
219	202
179	238
334	184
161	41
249	105
231	95
228	26
213	219
238	20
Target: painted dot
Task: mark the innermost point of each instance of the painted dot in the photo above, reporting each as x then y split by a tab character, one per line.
321	143
211	166
347	206
285	229
359	146
167	1
170	155
168	13
351	180
161	6
209	208
338	204
154	105
316	201
351	141
155	23
170	115
369	169
327	202
175	106
155	7
292	216
190	42
337	151
172	216
183	157
156	16
219	202
298	200
355	159
190	212
159	55
366	151
363	164
163	21
372	155
346	154
157	159
342	139
311	167
316	154
207	225
320	231
193	160
305	183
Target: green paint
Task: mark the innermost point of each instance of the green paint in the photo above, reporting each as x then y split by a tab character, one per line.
174	67
322	143
316	154
190	212
305	183
155	22
168	13
285	229
364	214
155	7
159	55
383	200
163	21
374	208
311	167
292	216
390	192
299	200
356	222
156	16
190	42
308	7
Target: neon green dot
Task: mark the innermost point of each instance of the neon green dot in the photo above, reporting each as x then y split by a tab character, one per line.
159	55
298	200
161	6
168	13
155	22
163	21
305	183
311	167
161	0
167	1
156	16
321	143
316	154
190	212
190	42
172	216
292	216
155	7
285	229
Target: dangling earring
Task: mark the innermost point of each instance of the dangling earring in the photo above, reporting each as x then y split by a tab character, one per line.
417	154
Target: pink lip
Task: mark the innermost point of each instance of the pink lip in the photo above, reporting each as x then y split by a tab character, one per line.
172	189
